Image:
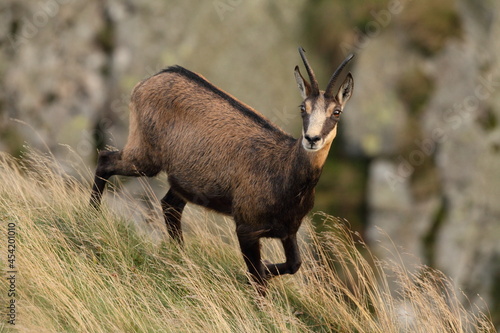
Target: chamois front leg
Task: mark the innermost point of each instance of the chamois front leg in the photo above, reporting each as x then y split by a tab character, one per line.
293	260
250	248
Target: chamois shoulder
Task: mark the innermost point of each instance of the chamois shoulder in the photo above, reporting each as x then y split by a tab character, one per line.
243	108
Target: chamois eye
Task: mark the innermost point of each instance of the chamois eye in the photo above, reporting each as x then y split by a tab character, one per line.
337	112
303	109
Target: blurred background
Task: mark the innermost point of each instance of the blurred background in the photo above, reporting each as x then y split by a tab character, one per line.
417	157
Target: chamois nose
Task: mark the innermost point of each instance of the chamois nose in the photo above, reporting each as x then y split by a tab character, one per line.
312	140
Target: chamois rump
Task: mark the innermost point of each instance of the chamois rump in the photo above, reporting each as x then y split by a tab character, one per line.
221	154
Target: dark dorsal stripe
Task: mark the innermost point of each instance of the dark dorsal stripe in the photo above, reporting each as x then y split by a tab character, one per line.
247	112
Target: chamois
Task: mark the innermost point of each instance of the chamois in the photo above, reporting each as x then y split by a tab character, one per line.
222	154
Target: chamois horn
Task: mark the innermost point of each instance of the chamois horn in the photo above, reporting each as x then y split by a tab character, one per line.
312	78
333	79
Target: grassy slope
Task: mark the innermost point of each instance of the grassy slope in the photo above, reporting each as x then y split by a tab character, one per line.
84	271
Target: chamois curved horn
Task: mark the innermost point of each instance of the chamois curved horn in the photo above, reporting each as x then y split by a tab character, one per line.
333	79
312	78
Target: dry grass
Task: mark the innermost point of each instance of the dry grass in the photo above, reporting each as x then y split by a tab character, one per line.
85	271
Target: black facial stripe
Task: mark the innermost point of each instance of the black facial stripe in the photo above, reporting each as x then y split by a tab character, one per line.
305	122
328	126
312	101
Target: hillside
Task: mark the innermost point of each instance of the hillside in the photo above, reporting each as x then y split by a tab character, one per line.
79	270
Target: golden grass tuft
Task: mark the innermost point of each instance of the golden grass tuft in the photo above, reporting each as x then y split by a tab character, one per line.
79	270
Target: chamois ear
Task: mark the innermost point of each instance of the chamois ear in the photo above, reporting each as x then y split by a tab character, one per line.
304	86
345	91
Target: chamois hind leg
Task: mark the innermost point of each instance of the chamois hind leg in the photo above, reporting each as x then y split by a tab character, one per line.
172	206
109	163
293	260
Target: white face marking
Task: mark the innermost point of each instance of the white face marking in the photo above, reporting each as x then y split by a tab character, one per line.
316	121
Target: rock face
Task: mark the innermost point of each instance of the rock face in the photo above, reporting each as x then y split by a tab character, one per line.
434	181
48	77
68	66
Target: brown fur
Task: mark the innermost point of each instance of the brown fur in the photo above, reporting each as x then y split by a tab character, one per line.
221	154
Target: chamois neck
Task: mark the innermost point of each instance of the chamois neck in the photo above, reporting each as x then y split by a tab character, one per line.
308	165
316	159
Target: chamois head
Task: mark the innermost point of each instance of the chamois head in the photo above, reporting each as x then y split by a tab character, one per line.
321	109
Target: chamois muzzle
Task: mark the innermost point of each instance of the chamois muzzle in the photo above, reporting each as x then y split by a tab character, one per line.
311	143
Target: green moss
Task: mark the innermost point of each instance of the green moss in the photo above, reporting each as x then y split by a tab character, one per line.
341	189
414	89
330	24
428	24
488	120
12	139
